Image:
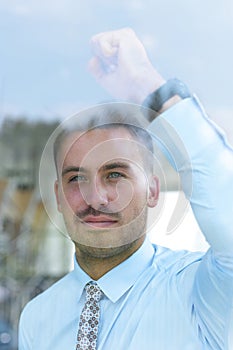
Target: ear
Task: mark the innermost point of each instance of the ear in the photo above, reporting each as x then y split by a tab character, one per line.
153	191
56	190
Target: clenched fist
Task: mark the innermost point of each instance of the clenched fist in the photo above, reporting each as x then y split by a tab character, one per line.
120	64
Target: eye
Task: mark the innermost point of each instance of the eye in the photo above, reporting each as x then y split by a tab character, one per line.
115	175
78	178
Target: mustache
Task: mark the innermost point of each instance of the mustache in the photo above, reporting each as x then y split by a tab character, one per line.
93	212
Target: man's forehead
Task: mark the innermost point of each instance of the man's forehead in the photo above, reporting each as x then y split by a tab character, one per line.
105	131
103	144
95	137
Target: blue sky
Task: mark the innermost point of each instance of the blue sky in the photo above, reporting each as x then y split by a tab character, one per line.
45	48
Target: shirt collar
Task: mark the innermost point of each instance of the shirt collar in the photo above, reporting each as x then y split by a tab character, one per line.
118	280
81	277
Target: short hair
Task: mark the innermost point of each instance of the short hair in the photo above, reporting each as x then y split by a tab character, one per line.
105	116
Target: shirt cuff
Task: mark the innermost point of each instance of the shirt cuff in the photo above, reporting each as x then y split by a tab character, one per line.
184	130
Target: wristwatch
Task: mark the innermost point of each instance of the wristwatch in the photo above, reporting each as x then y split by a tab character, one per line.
172	87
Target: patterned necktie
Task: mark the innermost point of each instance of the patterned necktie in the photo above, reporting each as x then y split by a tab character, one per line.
89	318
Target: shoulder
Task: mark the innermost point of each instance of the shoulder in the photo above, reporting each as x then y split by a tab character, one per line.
55	294
176	260
38	312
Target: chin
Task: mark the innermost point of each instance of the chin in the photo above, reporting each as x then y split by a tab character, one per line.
104	253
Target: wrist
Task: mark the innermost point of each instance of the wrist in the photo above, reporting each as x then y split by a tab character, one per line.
168	94
148	82
169	103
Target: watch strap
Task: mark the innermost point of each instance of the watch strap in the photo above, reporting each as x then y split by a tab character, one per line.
171	88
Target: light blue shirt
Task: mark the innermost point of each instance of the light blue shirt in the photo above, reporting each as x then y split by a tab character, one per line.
158	298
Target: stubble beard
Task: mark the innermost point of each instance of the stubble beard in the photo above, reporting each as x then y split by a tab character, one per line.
102	246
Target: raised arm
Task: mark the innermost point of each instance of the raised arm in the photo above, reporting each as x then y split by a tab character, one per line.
200	153
120	64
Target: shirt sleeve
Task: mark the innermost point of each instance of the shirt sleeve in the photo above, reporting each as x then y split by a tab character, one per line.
25	335
198	150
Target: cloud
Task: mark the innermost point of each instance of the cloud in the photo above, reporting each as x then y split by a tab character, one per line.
46	47
55	9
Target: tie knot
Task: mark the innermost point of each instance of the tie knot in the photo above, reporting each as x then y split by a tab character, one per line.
93	292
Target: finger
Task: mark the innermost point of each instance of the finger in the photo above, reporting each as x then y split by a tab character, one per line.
98	68
95	67
105	45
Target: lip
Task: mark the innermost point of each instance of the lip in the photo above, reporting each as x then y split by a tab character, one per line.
99	221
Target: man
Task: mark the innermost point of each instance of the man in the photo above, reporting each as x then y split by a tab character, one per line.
149	296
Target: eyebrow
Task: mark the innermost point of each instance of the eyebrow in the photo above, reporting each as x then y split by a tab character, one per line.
106	167
115	165
70	169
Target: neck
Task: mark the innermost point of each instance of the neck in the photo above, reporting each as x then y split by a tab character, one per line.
96	262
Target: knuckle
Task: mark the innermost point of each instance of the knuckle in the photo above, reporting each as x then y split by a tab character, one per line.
129	31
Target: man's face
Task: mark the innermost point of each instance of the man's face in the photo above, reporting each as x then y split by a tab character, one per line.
102	189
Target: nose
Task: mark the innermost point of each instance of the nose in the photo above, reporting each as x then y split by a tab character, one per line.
95	194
